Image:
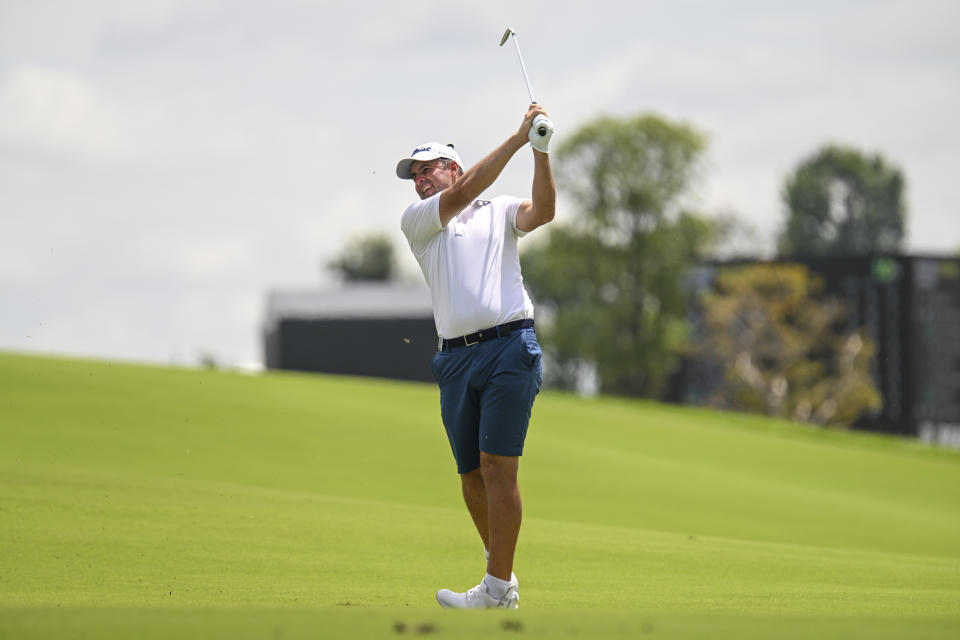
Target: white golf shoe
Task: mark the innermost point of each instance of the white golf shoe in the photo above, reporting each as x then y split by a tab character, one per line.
478	598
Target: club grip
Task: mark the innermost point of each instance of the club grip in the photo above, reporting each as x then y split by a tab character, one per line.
542	126
541	130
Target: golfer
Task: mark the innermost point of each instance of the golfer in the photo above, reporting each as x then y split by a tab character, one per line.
488	360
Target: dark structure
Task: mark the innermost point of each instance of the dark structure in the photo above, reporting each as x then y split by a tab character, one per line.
380	330
909	307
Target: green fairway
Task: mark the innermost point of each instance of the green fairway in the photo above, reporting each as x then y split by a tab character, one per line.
151	502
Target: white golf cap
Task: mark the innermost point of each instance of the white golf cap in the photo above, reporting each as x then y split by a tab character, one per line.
424	152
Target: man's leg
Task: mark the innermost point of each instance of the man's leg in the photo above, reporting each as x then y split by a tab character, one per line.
475	495
496	479
504	511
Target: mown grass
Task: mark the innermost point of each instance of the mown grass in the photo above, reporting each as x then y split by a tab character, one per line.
182	503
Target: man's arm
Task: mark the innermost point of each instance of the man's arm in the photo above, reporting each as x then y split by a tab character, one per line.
472	183
540	210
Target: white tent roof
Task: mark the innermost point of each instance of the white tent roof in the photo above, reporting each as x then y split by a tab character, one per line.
366	300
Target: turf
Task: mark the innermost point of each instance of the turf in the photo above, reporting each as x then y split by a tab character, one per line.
154	502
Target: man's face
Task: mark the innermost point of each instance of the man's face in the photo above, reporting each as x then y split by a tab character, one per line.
431	177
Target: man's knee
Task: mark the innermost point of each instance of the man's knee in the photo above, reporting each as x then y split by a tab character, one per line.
497	469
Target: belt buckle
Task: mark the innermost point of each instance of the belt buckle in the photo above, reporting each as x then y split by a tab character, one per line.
466	341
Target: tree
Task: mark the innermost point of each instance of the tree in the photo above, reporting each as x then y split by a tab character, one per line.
368	258
842	202
610	279
780	351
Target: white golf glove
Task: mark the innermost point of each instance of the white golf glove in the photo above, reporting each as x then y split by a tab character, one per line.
541	142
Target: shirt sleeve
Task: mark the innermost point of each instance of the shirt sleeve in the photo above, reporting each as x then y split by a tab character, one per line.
513	208
420	222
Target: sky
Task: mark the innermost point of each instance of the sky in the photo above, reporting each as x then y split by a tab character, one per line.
164	164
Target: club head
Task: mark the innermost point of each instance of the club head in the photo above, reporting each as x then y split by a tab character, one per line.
506	34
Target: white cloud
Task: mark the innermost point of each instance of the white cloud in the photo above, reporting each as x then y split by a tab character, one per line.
60	112
66	115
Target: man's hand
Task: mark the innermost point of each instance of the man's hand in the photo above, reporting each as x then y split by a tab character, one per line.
540	133
531	122
535	121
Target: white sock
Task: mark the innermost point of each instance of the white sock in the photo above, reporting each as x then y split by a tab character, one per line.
496	587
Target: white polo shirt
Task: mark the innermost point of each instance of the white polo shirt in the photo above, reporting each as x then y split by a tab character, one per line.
472	265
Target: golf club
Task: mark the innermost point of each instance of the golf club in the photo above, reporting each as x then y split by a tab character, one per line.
506	34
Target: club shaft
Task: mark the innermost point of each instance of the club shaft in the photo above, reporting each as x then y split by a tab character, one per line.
523	68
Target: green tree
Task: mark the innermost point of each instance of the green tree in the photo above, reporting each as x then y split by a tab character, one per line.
840	201
781	354
610	279
369	258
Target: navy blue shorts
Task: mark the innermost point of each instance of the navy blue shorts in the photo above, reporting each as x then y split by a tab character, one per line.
486	395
